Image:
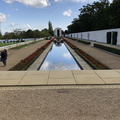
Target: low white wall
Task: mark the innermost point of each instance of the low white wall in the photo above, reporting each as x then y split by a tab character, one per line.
99	36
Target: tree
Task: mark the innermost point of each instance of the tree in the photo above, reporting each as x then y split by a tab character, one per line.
114	11
0	35
29	34
50	28
96	16
45	30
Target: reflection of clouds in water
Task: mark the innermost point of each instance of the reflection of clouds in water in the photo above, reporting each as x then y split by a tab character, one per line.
76	67
45	65
67	55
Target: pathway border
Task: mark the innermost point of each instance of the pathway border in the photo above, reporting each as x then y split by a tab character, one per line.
59	78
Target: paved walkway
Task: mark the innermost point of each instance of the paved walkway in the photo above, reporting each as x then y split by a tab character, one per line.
109	59
60	77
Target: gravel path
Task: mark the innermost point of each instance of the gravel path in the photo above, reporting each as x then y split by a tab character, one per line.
109	59
60	104
15	56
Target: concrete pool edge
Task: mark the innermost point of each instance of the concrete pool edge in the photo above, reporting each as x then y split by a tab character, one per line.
78	59
38	62
40	59
59	78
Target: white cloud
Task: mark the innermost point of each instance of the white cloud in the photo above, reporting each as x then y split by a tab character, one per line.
67	55
12	24
2	17
57	0
27	26
78	1
32	3
67	13
45	65
74	0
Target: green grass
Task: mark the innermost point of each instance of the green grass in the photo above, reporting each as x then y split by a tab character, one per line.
5	44
21	46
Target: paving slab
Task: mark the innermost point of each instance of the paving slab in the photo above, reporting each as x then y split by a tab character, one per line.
34	80
1	72
38	72
112	80
107	73
9	82
12	75
83	71
61	82
88	79
118	71
60	77
61	74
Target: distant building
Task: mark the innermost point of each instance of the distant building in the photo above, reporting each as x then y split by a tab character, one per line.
58	32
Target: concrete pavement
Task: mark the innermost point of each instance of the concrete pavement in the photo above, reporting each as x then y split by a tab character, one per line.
59	77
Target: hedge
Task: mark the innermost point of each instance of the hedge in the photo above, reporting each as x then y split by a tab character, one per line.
107	48
82	41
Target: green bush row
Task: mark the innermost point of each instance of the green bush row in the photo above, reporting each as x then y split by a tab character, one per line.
82	41
107	48
85	42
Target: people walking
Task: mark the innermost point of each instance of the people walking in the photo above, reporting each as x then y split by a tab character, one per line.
4	56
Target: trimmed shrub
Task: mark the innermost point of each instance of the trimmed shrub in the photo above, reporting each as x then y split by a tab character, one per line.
107	48
85	42
82	41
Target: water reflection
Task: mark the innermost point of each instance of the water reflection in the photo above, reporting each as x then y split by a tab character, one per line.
67	55
59	58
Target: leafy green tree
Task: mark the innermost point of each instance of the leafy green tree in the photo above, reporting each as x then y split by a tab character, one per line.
29	34
0	35
50	28
114	11
45	30
96	16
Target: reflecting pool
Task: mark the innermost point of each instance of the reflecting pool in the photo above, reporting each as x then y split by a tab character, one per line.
59	58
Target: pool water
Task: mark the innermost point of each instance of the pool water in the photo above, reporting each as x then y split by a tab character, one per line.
59	58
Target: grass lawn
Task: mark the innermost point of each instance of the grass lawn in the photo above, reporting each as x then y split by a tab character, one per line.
21	46
5	44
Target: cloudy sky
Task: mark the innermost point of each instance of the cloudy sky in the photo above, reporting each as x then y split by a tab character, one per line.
35	14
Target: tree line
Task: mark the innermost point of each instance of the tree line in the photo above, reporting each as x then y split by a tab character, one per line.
96	16
20	34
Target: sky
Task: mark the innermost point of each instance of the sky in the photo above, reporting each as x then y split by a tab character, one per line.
35	14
